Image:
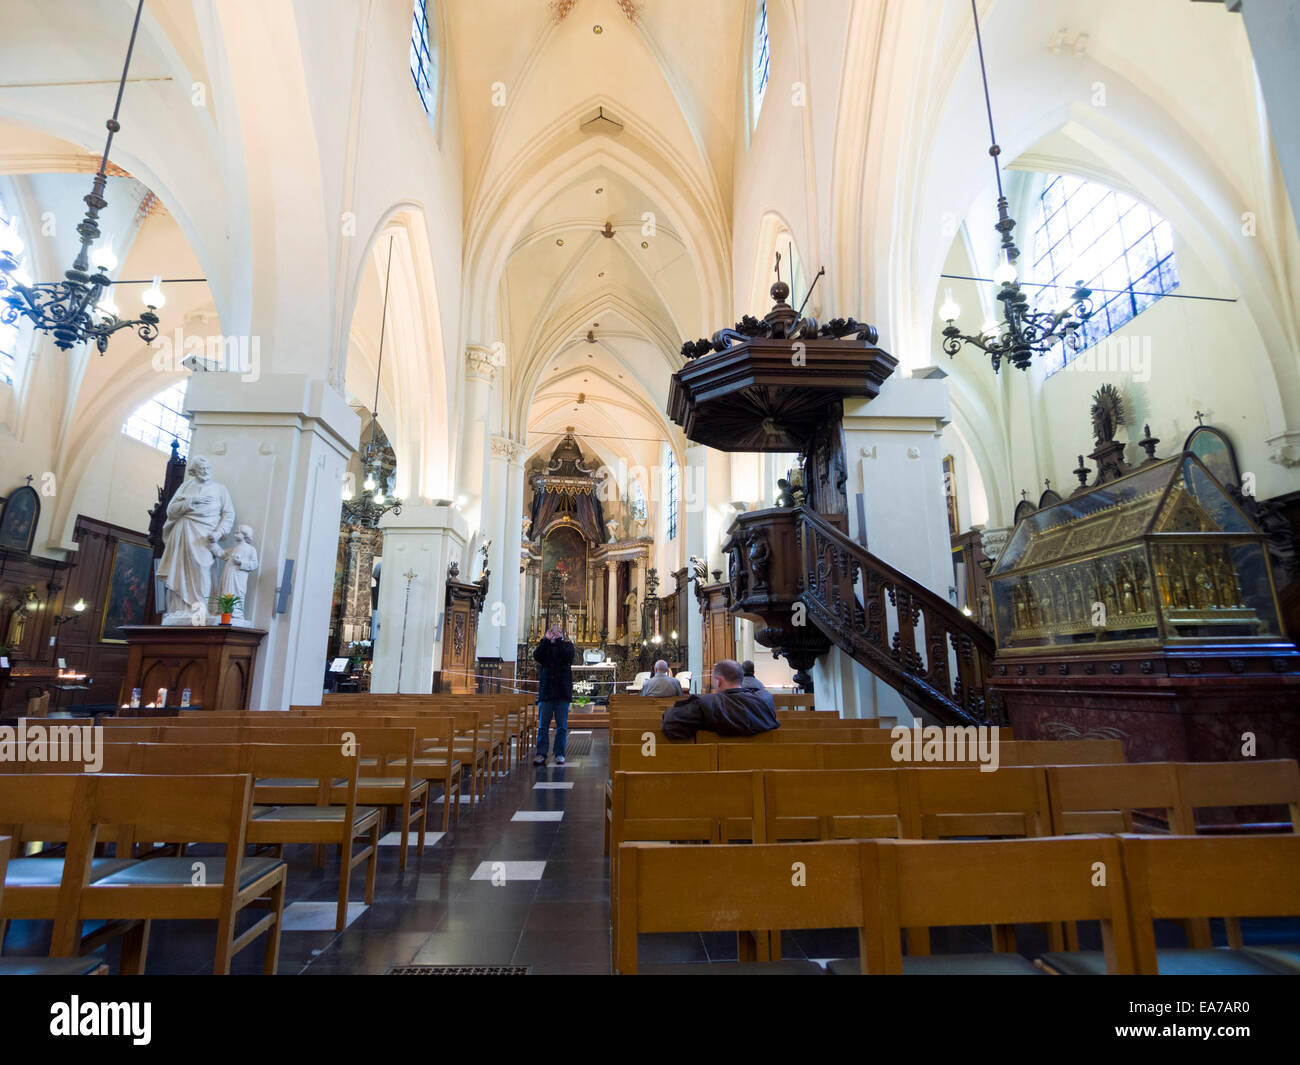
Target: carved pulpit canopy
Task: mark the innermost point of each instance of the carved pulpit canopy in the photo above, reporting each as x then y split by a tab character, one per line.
769	385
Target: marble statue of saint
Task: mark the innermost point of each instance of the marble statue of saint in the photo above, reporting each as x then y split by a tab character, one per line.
241	560
199	514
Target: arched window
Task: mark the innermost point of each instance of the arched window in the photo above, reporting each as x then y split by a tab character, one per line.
762	59
424	58
10	332
161	420
670	493
1118	246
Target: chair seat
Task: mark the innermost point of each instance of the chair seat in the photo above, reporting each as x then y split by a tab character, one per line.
1284	959
314	813
48	872
435	763
792	967
992	963
1180	962
172	871
288	782
50	966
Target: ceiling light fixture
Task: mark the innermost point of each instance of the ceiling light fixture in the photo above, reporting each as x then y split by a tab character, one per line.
1023	333
76	309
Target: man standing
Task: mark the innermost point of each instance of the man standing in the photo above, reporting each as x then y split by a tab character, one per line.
554	691
661	685
730	710
750	680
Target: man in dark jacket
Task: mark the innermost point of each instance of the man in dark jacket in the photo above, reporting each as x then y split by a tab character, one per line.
730	710
750	680
554	691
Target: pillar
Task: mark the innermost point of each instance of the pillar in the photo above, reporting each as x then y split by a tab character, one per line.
281	445
492	622
511	547
418	547
611	601
696	544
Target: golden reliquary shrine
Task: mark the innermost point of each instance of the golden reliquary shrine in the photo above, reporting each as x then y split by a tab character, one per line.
1160	556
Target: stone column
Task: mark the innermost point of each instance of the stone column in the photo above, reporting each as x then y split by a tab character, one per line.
495	526
281	444
696	544
476	432
636	582
611	601
511	544
423	541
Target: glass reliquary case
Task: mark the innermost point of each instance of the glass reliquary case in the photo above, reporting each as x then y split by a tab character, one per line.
1160	556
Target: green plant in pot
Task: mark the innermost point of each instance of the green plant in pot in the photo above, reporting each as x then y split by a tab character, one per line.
226	606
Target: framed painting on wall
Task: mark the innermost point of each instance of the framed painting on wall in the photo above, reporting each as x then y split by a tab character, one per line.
129	580
22	511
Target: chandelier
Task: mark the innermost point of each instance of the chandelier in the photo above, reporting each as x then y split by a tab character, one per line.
371	505
1022	333
78	308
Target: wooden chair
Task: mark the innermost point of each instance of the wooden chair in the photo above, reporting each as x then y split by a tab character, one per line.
1253	876
667	759
822	804
735	888
1206	785
38	808
289	811
929	883
768	755
24	966
1190	877
204	809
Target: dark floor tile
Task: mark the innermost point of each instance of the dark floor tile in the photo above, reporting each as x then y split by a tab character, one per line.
468	948
358	951
588	890
401	916
590	948
489	913
575	869
568	917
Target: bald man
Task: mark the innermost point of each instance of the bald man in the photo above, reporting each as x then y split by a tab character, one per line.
729	710
661	685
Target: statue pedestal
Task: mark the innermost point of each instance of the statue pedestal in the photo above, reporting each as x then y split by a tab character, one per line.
214	661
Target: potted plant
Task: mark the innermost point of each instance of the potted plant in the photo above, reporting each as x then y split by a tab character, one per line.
225	606
582	692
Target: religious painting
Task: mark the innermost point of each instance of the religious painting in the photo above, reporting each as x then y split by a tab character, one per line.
127	602
22	510
565	552
1213	448
950	492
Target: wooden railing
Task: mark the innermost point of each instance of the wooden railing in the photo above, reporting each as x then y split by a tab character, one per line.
936	657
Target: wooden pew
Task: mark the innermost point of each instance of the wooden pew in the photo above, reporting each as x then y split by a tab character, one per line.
21	966
204	809
734	888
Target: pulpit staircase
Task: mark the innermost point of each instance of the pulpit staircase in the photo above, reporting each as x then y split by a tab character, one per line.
917	642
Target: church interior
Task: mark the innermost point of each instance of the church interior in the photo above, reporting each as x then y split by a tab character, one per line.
351	348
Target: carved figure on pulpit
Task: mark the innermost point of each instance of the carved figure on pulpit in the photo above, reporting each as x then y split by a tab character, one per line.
199	515
241	560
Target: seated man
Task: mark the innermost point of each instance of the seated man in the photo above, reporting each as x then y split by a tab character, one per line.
661	685
750	680
730	710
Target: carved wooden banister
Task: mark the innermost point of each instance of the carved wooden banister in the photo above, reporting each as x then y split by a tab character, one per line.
925	648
